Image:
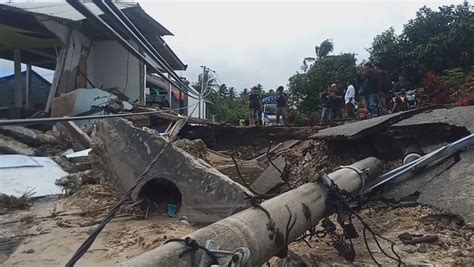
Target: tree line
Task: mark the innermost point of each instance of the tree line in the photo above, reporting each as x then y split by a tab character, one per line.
435	50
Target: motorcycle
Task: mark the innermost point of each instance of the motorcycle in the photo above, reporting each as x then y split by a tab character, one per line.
404	101
411	99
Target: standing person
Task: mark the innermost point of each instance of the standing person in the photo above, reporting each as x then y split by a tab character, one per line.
384	87
337	102
281	102
369	90
349	99
327	98
255	106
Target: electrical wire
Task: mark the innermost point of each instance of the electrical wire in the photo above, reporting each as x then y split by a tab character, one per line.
78	118
90	240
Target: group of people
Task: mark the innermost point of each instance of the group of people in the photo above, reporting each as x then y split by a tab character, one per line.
376	91
256	106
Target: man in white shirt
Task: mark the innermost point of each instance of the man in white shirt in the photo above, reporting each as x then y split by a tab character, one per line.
350	100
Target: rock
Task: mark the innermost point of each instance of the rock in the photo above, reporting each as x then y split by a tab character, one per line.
405	236
409	249
422	248
29	251
457	253
65	164
468	235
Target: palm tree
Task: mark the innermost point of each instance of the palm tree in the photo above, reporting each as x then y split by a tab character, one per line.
232	93
326	47
206	81
222	91
244	94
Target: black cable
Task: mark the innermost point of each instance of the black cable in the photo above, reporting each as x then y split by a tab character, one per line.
90	240
194	246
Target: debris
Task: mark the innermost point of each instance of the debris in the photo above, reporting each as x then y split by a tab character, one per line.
15	181
29	251
457	253
11	202
422	248
201	192
196	148
405	236
28	136
78	134
15	161
65	164
72	182
270	178
79	156
9	145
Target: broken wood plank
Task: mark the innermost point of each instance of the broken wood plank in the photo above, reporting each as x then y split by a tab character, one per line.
78	134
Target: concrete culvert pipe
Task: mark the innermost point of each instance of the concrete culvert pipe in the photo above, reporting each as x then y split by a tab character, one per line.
157	194
249	228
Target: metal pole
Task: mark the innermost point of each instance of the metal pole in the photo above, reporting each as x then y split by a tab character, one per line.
249	228
28	85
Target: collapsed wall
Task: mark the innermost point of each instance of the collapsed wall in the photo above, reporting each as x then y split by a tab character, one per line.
200	192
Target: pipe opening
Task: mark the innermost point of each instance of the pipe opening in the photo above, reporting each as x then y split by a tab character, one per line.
162	197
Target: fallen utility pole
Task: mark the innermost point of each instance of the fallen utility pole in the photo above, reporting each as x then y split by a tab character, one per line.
248	230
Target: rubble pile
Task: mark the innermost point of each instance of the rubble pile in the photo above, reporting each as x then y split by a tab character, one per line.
92	199
197	148
450	242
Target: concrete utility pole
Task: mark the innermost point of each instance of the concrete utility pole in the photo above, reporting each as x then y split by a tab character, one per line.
248	228
202	89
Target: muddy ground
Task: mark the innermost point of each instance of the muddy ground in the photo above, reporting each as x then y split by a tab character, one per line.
52	230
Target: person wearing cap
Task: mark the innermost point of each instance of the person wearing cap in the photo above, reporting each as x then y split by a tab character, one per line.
281	100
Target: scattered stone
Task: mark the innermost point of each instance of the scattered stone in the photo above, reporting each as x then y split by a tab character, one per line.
29	251
457	253
409	249
405	236
422	248
424	239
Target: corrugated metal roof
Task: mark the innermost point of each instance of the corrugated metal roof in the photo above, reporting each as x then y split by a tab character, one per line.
61	9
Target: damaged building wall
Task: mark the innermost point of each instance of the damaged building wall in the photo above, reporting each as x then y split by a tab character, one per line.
113	66
206	195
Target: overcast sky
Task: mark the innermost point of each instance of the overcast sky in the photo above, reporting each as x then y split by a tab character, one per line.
265	42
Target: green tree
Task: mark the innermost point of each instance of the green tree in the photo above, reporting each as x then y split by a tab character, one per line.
306	88
232	93
432	41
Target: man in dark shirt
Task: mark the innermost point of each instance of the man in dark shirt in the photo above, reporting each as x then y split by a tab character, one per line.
255	105
281	100
328	101
402	85
399	89
370	90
